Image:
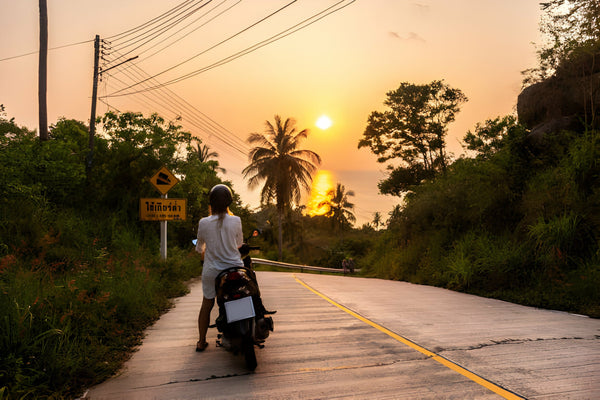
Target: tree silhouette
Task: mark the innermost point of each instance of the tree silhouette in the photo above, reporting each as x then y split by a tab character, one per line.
340	208
377	221
206	155
413	131
285	169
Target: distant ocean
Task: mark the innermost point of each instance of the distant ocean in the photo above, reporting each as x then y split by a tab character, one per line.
367	199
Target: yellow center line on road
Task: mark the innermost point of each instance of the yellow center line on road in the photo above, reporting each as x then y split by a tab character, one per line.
444	361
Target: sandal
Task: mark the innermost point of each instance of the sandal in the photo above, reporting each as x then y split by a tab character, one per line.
201	346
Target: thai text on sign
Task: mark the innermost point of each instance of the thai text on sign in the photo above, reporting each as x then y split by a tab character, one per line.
163	209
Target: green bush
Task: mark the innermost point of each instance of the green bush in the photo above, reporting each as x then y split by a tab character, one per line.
66	330
80	275
556	239
522	224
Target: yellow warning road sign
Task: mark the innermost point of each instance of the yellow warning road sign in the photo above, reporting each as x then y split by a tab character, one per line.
163	180
163	209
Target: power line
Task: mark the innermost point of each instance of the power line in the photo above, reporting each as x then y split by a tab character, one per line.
156	32
287	32
174	103
185	35
192	120
162	16
53	48
198	120
192	31
257	46
212	47
118	36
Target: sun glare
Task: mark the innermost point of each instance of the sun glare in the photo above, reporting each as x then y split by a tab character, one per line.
324	122
322	184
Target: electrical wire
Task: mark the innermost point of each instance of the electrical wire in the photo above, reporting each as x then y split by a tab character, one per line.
189	33
158	31
185	35
119	36
110	37
53	48
212	47
160	28
255	47
174	103
287	32
193	120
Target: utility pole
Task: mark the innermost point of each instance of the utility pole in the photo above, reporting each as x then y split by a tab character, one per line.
90	155
94	96
42	71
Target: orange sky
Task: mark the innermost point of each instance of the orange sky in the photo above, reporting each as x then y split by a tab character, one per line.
341	66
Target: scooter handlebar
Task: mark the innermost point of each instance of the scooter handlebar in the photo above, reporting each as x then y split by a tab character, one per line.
245	249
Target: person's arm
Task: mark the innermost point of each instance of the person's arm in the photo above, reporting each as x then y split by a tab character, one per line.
239	234
200	244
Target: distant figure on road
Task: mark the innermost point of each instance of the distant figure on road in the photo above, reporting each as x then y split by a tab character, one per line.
345	265
219	239
351	265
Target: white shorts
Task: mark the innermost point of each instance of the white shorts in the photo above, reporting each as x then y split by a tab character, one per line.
209	274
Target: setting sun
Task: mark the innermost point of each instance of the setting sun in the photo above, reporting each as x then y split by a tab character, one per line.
324	122
322	184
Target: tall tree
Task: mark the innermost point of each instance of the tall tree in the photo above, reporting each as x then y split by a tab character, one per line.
206	155
285	169
571	28
490	136
413	130
377	220
340	208
42	71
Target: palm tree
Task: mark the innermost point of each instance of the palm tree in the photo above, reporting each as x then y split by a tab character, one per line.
205	154
285	169
377	220
340	208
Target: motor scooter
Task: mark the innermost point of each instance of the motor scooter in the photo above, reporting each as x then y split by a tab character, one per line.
242	322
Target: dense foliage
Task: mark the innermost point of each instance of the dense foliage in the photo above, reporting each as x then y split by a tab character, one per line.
571	30
520	220
80	274
522	224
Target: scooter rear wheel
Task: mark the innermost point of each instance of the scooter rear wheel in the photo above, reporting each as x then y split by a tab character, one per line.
250	355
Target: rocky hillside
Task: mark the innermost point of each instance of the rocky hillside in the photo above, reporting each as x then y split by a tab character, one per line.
569	100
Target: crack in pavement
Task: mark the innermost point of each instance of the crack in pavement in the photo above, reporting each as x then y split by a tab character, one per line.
302	370
210	378
511	341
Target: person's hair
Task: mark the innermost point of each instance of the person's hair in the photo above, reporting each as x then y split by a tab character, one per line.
220	198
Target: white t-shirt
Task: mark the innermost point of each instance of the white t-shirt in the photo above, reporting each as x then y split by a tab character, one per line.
220	244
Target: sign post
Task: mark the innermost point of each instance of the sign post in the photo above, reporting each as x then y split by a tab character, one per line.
162	209
163	235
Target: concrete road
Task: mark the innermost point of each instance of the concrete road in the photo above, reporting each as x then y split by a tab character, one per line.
373	339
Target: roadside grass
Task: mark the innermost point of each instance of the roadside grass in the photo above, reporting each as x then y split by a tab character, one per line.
66	329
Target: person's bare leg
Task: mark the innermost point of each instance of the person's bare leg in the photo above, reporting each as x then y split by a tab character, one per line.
203	322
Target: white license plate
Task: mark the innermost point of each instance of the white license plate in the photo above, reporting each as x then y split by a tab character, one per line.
239	309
